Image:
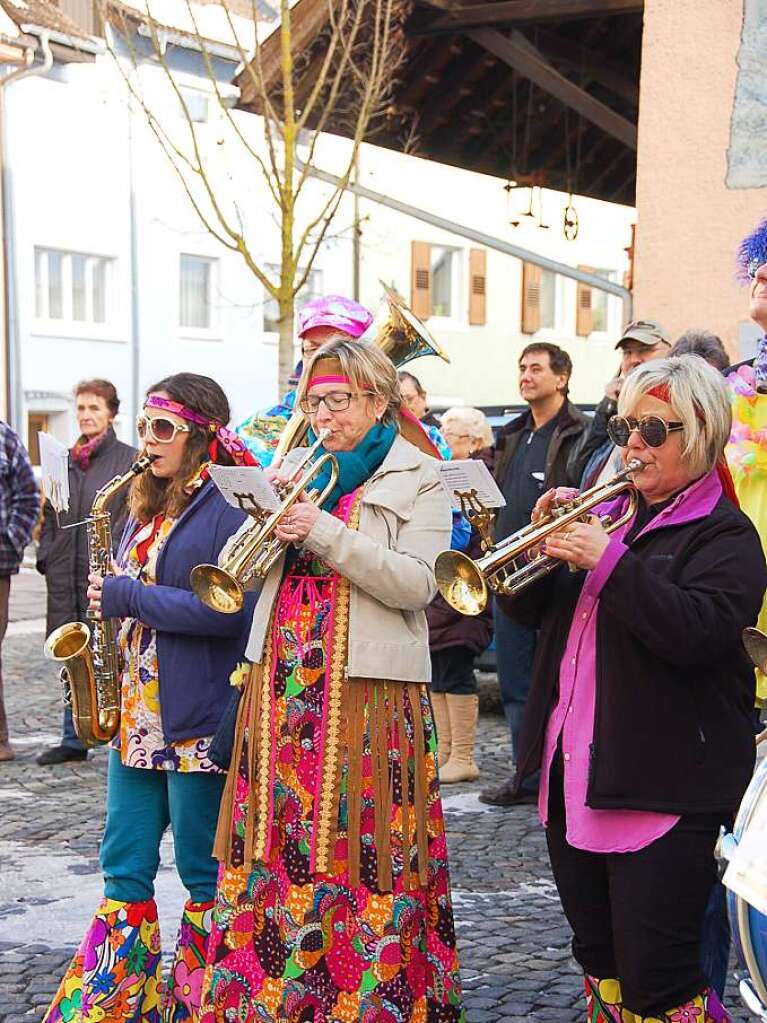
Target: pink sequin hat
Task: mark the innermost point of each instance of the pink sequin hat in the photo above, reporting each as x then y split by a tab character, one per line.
334	311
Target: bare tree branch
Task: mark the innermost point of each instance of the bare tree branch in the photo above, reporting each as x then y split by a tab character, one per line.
329	65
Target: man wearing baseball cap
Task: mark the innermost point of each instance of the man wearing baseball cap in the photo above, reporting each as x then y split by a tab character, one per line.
318	321
641	341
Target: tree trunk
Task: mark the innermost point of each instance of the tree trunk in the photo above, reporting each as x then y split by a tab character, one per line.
286	356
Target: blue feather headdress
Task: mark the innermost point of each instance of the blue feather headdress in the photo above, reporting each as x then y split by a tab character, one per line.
752	253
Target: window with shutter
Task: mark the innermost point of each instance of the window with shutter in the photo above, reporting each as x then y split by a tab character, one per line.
477	287
583	314
420	282
531	298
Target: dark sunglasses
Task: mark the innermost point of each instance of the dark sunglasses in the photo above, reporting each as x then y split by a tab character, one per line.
653	430
158	428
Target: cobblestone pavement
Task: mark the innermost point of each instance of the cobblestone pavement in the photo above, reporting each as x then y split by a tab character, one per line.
513	939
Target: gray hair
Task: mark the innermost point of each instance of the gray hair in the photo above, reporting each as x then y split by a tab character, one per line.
472	420
698	396
704	343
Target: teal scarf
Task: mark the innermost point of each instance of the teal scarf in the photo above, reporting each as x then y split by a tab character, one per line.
355	466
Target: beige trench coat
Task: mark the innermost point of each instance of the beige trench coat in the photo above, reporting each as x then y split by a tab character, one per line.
405	521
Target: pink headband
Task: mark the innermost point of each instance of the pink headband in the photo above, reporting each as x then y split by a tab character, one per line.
228	439
329	380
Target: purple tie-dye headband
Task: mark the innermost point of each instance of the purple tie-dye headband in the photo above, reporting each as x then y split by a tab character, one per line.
226	437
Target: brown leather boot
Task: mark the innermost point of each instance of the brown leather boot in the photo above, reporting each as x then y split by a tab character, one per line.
442	724
463	711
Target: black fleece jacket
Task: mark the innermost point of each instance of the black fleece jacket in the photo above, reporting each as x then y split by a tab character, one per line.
675	689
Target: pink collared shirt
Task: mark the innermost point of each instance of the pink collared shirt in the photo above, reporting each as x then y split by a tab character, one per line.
572	718
599	831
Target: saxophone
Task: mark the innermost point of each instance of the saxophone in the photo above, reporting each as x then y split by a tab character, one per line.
88	653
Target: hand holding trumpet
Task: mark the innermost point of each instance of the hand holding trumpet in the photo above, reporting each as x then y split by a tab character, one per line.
580	544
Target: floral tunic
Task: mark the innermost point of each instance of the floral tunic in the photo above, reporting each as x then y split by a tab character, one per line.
343	922
141	740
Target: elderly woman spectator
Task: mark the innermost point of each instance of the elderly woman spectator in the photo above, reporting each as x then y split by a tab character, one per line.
640	712
96	457
333	896
456	639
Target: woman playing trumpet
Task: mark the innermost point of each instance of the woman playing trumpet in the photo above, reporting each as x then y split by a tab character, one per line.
333	899
639	714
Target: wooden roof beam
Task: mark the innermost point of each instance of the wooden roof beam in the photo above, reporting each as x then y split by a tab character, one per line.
308	19
590	62
509	11
519	53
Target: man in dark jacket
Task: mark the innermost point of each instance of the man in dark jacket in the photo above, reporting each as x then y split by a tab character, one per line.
62	556
640	342
532	454
19	505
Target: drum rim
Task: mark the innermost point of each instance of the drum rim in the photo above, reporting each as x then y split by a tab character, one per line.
742	907
747	947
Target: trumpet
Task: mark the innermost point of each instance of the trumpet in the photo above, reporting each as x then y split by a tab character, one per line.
253	551
517	561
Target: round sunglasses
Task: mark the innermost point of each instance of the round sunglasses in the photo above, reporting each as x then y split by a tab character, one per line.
159	428
653	430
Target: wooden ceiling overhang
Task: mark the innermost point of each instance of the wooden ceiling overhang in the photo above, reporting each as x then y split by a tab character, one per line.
545	92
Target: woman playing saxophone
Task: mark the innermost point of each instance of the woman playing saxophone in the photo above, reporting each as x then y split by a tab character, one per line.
178	655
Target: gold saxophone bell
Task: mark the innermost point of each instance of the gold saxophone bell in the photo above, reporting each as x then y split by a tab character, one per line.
514	563
88	654
254	550
95	723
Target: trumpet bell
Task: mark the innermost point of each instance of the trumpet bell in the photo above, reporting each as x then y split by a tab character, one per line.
217	588
461	583
755	643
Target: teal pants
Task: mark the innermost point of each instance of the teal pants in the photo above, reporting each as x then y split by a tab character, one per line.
141	803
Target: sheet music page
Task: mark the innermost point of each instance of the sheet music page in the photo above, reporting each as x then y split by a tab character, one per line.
245	487
464	474
54	466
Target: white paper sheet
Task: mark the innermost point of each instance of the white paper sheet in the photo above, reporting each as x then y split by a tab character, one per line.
746	873
245	487
54	467
464	474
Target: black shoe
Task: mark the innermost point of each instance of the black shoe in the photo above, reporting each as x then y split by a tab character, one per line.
504	795
61	754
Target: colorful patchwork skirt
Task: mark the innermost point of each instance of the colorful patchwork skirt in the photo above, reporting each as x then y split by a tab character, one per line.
334	899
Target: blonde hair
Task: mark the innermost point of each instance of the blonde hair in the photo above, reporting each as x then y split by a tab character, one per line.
472	420
698	396
368	368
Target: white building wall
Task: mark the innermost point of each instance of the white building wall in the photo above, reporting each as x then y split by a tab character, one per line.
72	186
73	160
483	359
68	157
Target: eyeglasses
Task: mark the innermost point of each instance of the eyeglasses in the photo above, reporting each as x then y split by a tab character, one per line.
449	435
653	430
335	401
754	264
159	428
